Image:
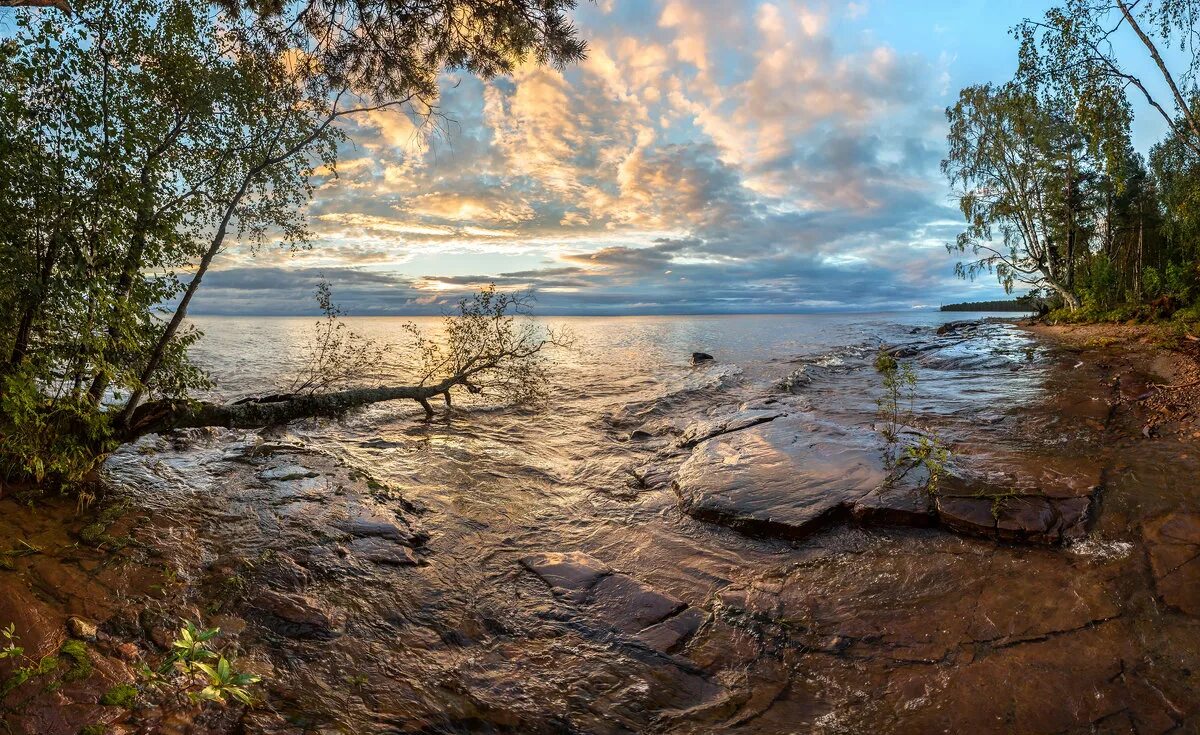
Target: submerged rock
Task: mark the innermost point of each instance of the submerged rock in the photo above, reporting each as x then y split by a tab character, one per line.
297	615
568	574
616	600
1173	543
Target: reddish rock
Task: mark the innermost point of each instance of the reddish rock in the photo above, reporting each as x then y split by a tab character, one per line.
629	604
383	551
297	616
1173	545
674	631
569	574
906	504
783	478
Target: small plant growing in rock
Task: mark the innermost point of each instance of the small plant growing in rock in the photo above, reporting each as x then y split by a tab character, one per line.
198	672
30	669
927	451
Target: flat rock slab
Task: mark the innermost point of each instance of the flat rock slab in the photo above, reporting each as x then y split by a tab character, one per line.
383	551
668	635
617	600
629	604
569	574
286	472
297	615
1026	518
366	521
1173	543
703	430
780	478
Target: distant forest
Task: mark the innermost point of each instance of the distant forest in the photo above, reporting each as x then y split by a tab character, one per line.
1021	303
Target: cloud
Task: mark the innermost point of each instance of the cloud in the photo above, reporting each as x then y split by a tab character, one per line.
707	156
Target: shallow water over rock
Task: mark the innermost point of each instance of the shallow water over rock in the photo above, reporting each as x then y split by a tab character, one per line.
666	547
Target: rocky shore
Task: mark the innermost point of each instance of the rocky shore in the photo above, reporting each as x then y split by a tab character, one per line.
753	565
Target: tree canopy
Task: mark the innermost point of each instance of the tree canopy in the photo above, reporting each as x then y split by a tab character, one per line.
1052	190
142	138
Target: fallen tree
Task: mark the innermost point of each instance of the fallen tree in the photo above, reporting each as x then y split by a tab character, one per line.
489	345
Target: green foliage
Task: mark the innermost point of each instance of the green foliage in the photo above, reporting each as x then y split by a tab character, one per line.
223	682
76	653
902	453
196	672
121	695
1100	285
139	138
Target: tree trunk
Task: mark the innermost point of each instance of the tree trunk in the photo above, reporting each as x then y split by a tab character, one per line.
253	413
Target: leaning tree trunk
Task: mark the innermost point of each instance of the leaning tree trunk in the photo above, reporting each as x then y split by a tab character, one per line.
253	413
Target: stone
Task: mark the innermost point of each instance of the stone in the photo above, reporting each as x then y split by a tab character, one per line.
782	478
365	521
670	634
569	574
699	357
1173	545
905	503
286	472
703	430
383	551
629	604
296	615
80	628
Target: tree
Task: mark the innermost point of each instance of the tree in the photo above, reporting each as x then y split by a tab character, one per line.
1021	169
488	345
1073	45
140	138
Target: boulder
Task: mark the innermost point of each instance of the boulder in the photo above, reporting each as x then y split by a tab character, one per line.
699	357
669	634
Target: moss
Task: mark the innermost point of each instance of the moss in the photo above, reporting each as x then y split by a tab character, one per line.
121	695
92	533
92	730
81	662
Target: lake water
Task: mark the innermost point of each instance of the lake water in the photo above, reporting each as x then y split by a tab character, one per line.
590	566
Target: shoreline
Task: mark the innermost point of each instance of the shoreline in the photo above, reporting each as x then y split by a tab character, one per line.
304	557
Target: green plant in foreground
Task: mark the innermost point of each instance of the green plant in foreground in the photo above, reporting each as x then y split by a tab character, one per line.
197	671
927	451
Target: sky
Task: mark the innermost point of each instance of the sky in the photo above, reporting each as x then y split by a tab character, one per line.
709	156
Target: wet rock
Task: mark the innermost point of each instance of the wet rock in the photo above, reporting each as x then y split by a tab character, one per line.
569	574
781	478
365	521
956	327
653	476
671	633
1173	544
83	629
704	430
904	504
699	357
383	551
39	625
287	472
629	604
1024	518
296	615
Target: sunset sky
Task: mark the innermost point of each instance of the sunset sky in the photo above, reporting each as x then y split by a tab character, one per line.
707	157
